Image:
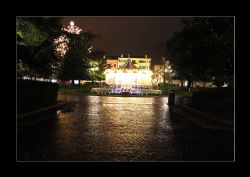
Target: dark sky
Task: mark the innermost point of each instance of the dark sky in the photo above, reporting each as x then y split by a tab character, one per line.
130	35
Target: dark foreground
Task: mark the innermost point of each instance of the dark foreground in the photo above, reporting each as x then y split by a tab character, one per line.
122	129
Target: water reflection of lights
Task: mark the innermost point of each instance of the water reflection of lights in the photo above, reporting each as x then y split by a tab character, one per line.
125	126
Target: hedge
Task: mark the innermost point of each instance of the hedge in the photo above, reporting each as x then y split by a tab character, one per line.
33	95
214	99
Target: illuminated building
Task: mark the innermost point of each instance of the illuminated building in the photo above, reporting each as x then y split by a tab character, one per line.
158	74
128	74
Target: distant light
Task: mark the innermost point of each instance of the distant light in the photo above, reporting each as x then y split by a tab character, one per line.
76	81
185	83
25	77
89	49
72	23
53	80
225	85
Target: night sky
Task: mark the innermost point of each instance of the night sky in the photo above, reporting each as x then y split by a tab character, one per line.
130	35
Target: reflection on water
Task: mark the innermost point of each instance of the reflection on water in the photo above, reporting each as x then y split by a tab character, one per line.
106	128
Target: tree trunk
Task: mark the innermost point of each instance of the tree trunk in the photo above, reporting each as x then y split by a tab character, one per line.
181	83
79	83
72	82
204	84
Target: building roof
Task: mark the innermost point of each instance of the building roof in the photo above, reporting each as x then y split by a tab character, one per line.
136	56
128	65
125	56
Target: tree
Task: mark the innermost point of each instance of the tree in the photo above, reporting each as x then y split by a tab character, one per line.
96	65
35	45
75	61
203	50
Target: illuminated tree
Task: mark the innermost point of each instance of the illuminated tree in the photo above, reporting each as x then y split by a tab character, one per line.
75	53
61	43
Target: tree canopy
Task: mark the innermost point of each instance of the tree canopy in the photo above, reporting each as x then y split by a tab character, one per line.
35	51
75	63
204	50
45	47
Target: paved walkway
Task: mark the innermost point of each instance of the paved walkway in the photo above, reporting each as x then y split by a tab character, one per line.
122	129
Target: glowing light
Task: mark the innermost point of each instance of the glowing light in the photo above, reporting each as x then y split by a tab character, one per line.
61	43
185	83
225	84
128	79
26	77
76	81
72	23
89	50
72	28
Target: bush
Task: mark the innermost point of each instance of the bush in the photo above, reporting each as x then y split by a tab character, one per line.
86	85
165	87
33	95
101	90
151	92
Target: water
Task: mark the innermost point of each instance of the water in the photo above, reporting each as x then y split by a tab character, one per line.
106	128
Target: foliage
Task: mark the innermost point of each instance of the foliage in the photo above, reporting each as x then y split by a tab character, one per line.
101	90
86	85
204	49
183	91
75	62
151	92
90	85
35	45
96	65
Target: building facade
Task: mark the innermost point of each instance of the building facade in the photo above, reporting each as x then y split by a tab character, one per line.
128	73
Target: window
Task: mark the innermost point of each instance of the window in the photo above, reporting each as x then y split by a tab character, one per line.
142	61
144	67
